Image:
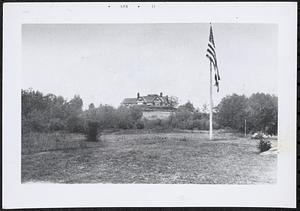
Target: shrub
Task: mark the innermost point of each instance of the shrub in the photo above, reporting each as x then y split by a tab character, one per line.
189	124
56	124
153	123
123	118
264	145
135	113
201	124
185	119
26	127
183	139
197	124
45	113
36	121
165	124
216	126
140	125
75	124
92	131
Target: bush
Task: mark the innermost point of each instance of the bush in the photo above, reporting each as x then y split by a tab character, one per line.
56	124
135	113
201	124
216	126
35	121
260	110
165	124
184	119
92	131
45	113
183	139
140	125
75	124
153	123
125	118
264	145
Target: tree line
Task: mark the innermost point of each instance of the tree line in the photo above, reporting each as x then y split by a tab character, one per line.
260	111
46	113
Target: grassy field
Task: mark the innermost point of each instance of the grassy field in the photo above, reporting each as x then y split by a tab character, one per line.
146	157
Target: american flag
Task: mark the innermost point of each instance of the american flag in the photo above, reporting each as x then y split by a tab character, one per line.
211	54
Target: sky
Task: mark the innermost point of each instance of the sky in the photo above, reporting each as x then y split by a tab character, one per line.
105	63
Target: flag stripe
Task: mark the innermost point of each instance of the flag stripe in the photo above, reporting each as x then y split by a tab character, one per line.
211	59
211	54
216	67
211	47
216	80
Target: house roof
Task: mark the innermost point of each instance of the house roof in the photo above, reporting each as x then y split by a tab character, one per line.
149	98
165	99
129	101
146	99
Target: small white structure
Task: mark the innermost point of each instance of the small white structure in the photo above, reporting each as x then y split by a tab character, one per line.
156	114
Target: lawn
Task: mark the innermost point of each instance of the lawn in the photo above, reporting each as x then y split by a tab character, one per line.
146	157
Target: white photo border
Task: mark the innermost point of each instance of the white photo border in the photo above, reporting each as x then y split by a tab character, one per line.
17	195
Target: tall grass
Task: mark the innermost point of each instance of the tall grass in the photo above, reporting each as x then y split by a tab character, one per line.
38	142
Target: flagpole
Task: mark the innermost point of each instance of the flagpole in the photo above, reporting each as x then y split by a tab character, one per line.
211	105
245	127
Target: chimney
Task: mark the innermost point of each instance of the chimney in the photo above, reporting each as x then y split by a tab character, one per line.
138	95
161	94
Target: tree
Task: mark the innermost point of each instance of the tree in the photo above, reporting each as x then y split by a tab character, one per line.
32	100
232	111
91	106
263	113
75	105
74	122
205	108
49	112
188	106
124	118
260	110
136	113
173	100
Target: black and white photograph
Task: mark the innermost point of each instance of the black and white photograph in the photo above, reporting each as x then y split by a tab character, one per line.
149	103
152	104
